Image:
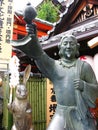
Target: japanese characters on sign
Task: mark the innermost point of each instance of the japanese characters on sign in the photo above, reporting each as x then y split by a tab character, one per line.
53	105
1	21
51	101
6	27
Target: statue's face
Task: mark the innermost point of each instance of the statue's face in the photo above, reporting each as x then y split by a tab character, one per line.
69	48
21	92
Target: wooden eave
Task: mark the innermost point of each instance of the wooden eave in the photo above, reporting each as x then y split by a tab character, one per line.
82	31
92	2
69	16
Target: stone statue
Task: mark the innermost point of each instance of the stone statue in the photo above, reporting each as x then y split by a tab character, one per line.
74	81
20	106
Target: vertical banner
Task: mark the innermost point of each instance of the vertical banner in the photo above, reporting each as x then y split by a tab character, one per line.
6	28
51	101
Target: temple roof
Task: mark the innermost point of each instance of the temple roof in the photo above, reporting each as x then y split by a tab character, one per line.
72	9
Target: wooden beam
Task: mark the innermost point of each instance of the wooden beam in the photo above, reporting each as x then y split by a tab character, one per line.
95	2
93	42
69	17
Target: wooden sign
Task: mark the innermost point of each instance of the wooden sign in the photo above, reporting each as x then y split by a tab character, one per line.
51	101
6	31
6	28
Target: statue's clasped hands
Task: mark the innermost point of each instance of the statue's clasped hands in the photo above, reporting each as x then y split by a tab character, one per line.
78	84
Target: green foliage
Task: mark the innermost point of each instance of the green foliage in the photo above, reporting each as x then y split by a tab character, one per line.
47	11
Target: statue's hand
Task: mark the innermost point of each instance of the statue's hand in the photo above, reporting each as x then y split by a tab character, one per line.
79	84
31	28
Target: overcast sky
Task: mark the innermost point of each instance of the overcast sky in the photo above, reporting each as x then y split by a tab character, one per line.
19	4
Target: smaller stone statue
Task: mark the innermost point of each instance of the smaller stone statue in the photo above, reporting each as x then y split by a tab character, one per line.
20	107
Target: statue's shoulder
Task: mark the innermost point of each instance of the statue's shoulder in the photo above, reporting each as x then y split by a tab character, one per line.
80	62
83	64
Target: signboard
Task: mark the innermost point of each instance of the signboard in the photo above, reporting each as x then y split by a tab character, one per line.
6	28
51	101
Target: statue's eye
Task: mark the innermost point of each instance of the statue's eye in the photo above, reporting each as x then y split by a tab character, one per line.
65	43
18	90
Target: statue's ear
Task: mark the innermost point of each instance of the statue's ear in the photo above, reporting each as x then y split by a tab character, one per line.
78	45
77	53
26	74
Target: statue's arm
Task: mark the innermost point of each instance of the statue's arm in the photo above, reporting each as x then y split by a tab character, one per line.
90	89
29	44
45	63
89	75
32	48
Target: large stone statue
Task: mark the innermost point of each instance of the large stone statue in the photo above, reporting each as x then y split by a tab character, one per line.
74	82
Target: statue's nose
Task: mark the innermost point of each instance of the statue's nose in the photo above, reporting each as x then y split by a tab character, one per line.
23	93
68	45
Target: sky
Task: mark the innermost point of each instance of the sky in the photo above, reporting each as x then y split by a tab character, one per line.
20	4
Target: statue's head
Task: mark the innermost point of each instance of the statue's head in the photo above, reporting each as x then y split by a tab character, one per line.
68	47
21	92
